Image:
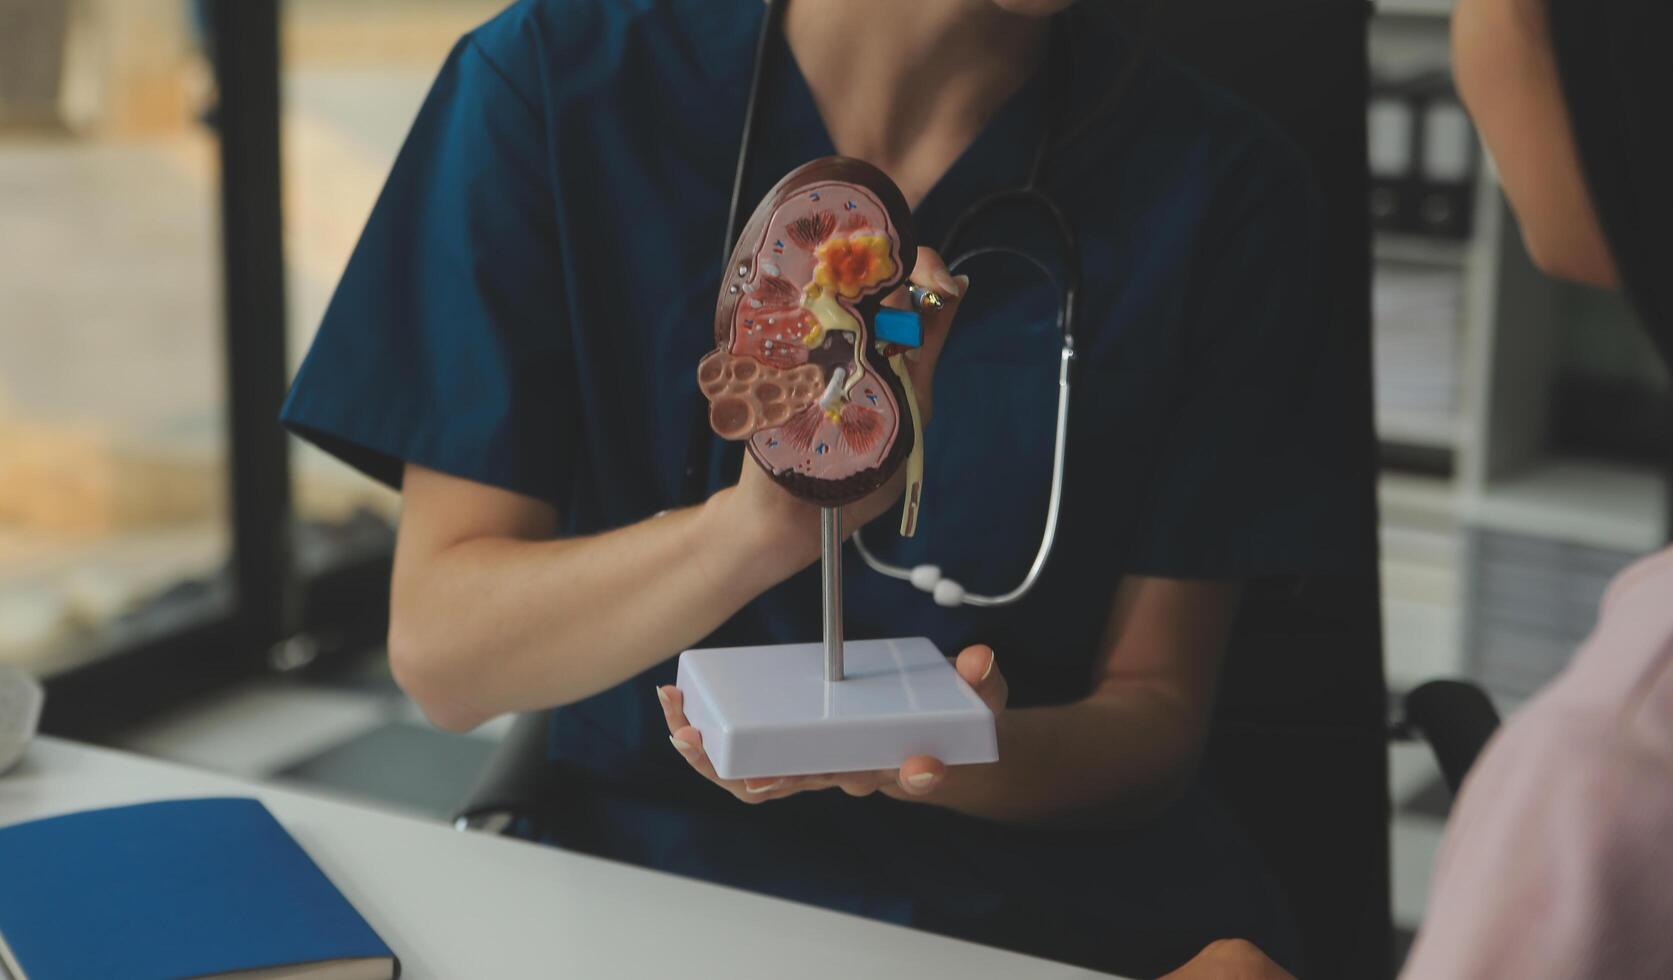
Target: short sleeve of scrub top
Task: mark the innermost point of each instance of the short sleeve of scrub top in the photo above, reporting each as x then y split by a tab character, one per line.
445	343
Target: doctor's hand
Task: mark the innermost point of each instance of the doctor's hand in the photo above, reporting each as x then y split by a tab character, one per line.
917	779
793	523
930	273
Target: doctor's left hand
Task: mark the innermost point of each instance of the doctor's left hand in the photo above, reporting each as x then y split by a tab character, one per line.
917	778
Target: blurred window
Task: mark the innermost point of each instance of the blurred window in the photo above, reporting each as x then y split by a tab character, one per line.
112	451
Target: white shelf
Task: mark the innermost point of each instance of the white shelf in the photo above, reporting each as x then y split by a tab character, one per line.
1410	500
1421	557
1390	246
1603	505
1415	8
1420	642
1429	430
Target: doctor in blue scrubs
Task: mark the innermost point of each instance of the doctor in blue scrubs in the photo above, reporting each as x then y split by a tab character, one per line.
514	345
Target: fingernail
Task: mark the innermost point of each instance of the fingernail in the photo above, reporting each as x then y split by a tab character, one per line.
662	695
762	789
681	744
963	284
992	659
947	283
921	779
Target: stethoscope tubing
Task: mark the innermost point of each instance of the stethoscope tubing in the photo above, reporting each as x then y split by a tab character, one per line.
928	578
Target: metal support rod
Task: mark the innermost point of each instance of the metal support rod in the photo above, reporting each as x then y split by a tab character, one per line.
830	566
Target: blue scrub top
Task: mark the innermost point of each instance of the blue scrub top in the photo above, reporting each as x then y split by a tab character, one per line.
535	287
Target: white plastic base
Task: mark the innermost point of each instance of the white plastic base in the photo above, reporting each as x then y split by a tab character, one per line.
768	711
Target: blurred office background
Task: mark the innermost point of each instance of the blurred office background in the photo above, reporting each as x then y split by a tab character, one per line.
144	512
158	536
1522	422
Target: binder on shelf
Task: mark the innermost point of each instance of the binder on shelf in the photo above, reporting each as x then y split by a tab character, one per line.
1423	158
1447	177
1390	131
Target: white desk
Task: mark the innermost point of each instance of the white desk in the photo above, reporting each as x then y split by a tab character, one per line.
465	905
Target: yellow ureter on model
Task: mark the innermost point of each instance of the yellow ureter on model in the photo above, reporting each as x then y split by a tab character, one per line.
914	459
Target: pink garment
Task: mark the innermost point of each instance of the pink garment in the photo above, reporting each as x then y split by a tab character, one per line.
1558	860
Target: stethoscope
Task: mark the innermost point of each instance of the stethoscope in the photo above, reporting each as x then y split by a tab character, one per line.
928	578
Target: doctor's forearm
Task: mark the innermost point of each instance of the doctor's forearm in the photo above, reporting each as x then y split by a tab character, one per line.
1129	748
490	625
1121	755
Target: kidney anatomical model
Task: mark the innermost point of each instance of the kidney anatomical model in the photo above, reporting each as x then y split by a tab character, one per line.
797	371
830	414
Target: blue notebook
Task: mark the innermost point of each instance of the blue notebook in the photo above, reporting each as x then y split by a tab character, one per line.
181	888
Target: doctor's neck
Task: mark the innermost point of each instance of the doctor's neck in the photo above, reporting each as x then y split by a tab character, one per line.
907	86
